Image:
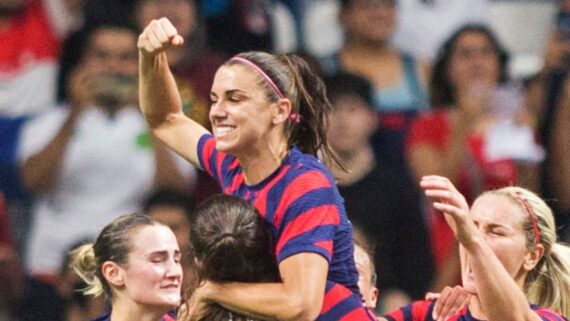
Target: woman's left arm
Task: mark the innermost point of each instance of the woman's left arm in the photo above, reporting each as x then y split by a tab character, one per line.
298	297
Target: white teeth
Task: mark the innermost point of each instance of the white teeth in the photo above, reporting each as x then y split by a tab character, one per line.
223	130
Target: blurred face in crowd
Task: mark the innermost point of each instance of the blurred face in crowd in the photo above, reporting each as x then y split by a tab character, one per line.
352	124
501	221
111	61
365	270
182	14
153	275
474	62
369	21
9	8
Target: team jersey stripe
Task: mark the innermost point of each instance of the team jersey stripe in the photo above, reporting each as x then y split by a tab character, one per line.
333	296
325	245
207	146
306	222
548	315
298	187
262	199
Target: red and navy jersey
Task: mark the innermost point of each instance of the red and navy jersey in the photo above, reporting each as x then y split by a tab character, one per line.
305	212
421	311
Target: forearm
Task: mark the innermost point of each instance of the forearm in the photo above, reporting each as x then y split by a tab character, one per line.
159	97
40	171
500	296
266	301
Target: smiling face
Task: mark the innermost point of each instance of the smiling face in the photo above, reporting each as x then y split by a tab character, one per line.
241	115
500	220
153	275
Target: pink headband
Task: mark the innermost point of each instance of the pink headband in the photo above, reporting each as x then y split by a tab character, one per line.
530	213
262	73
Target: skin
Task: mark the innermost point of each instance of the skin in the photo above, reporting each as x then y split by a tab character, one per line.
147	286
365	269
495	259
300	294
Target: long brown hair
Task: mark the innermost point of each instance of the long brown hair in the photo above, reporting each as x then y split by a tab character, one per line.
307	93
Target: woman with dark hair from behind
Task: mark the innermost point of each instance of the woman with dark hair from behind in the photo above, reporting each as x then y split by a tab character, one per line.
231	243
135	262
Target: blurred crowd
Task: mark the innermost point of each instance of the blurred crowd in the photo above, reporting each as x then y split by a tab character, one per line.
419	87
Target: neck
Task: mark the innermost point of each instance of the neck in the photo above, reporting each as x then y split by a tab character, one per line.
132	311
263	162
368	48
358	163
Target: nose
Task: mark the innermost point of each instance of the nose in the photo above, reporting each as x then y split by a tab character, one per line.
218	110
174	270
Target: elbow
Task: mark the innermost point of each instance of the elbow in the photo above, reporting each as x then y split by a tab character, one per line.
300	310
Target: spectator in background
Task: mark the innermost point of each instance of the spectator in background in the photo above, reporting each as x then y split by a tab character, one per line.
549	93
174	209
423	25
464	136
31	32
11	276
398	79
89	161
235	26
381	202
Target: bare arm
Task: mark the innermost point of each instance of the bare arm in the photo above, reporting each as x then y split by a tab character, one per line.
159	98
298	297
40	171
500	296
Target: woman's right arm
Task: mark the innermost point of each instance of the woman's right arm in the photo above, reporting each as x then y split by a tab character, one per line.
160	101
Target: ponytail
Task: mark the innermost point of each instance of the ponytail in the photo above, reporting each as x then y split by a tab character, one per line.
314	109
551	286
84	264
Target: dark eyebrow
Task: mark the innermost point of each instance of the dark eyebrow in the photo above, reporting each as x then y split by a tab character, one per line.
229	93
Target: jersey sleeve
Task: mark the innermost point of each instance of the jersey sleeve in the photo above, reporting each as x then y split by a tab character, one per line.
548	315
218	165
310	215
417	311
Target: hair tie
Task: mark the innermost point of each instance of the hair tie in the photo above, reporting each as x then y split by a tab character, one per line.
519	196
227	234
262	73
295	118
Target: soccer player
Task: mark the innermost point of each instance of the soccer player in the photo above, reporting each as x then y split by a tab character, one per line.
135	261
509	256
269	117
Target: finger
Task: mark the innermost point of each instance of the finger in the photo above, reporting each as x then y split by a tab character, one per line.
450	209
154	41
438	306
177	41
432	296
